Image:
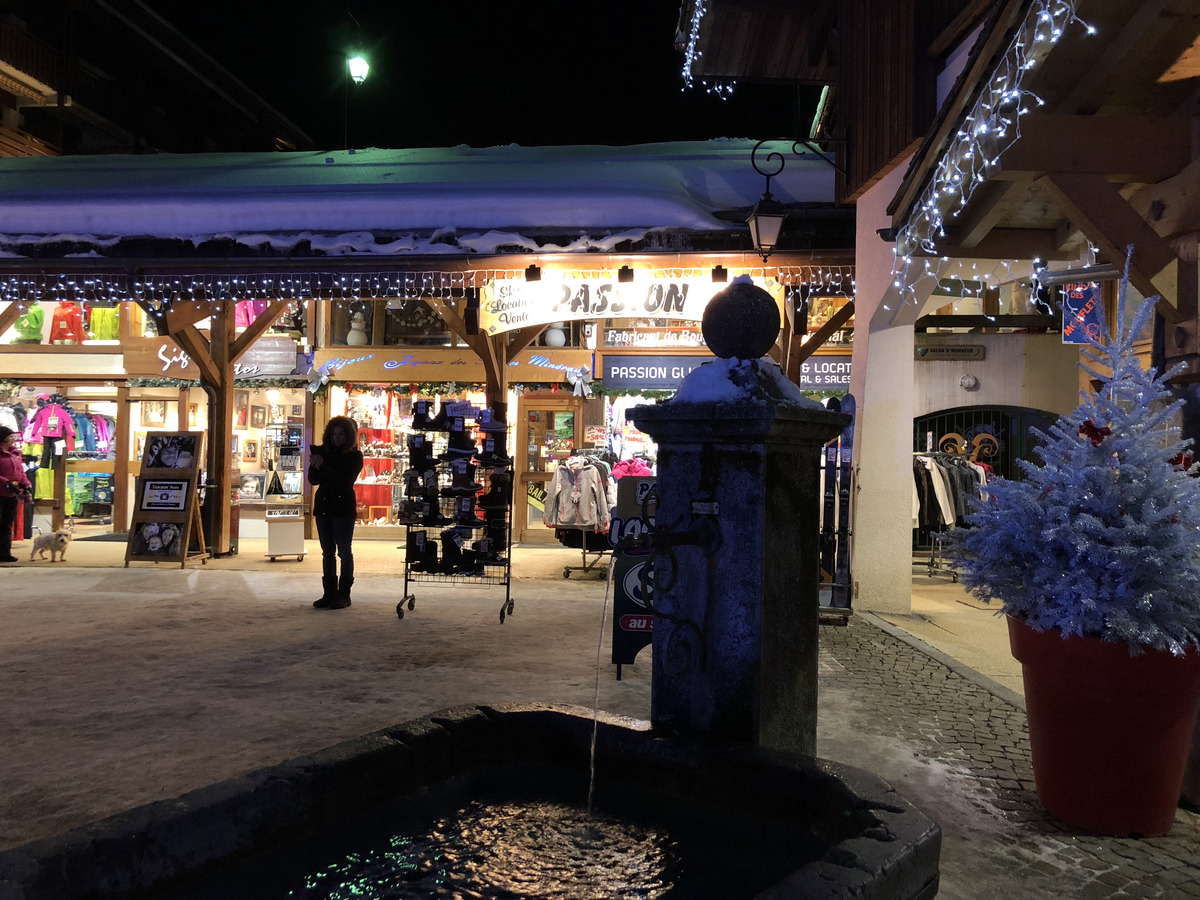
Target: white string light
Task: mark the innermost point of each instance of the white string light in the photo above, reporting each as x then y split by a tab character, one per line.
990	128
160	293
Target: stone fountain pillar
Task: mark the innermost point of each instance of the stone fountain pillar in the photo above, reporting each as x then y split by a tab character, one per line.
739	448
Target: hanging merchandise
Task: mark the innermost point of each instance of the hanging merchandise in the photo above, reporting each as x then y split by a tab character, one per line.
29	325
584	473
66	327
473	538
104	323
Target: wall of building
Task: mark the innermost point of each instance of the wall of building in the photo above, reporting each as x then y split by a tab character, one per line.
1031	370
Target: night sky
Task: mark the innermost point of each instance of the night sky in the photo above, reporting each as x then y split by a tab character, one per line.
537	72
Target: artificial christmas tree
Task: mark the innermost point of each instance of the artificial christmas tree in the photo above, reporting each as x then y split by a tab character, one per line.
1094	556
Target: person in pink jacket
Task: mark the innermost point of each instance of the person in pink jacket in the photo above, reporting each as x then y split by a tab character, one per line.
13	486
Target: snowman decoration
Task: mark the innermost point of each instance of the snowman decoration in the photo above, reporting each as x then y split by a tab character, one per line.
358	330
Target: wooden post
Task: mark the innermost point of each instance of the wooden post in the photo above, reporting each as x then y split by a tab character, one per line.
120	518
220	417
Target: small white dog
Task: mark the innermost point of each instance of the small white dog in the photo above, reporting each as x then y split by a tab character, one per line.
56	542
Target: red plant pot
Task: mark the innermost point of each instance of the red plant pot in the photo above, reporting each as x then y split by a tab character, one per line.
1110	732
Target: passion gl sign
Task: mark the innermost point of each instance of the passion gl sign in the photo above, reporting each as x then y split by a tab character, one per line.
505	305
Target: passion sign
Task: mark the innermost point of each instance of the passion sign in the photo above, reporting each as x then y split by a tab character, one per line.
505	305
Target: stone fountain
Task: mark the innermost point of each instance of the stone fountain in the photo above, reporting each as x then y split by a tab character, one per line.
732	736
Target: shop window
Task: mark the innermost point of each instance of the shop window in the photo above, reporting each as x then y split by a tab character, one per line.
567	334
413	322
821	310
652	333
353	322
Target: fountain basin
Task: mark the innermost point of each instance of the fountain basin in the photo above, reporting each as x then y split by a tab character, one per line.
804	827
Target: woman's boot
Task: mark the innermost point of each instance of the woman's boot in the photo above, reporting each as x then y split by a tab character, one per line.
329	588
342	597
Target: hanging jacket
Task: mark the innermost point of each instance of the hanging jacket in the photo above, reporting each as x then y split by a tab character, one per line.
29	324
104	323
66	327
85	431
51	421
577	497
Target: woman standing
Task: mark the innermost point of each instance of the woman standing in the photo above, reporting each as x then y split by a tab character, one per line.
13	484
333	467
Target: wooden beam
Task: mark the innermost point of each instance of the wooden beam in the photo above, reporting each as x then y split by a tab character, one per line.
1172	207
8	315
983	213
824	333
1121	148
220	423
187	313
521	338
1109	222
256	329
1148	24
122	487
1034	321
1004	243
197	348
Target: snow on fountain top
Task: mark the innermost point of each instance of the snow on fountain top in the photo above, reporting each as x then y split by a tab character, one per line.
740	324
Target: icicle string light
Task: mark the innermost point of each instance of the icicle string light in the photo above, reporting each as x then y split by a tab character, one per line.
163	292
690	53
990	128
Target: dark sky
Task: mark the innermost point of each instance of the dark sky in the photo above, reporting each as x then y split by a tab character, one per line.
533	72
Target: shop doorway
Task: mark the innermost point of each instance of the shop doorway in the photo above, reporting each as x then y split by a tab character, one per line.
547	431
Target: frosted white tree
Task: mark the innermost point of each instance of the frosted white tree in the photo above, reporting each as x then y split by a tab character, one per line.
1102	538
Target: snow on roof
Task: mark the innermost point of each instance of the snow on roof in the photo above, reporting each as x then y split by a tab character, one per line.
397	201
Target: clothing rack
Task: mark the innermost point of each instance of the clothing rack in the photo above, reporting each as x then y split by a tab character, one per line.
936	563
581	522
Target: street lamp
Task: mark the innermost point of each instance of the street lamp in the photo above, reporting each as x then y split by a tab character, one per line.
766	218
356	70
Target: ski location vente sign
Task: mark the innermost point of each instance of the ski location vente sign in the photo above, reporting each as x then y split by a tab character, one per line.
506	304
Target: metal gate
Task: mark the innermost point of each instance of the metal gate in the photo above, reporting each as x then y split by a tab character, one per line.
995	435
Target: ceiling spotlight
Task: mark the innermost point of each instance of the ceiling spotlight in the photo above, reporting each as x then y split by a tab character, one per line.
625	275
533	273
720	274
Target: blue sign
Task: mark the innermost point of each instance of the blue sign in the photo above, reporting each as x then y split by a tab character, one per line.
657	373
1080	311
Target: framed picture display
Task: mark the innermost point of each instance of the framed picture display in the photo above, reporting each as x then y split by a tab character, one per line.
250	451
193	414
241	409
258	417
165	518
254	487
233	445
170	451
297	410
154	412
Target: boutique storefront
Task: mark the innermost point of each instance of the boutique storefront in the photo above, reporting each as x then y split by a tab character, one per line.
601	341
85	398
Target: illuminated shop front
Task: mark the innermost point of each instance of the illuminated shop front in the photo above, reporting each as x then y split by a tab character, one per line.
598	341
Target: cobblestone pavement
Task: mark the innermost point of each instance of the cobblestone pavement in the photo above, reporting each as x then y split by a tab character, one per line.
970	770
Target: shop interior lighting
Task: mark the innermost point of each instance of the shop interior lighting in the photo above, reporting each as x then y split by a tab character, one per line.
625	275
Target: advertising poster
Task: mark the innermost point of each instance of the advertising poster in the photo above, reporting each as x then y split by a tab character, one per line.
632	620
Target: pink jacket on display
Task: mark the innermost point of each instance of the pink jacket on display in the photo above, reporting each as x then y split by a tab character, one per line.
51	421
